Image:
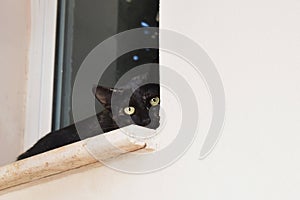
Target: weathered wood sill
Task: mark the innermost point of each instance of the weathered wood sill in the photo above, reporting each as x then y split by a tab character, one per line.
59	162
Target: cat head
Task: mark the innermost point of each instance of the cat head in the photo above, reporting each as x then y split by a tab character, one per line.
139	106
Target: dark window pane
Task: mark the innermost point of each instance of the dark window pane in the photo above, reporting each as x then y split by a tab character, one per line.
82	25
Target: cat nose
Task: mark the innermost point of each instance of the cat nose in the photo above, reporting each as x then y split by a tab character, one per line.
154	112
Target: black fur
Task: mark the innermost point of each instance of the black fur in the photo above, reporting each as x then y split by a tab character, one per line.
145	115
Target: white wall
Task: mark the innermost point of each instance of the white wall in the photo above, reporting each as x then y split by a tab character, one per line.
255	46
14	41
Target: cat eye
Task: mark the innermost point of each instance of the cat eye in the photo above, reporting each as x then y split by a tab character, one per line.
129	110
154	101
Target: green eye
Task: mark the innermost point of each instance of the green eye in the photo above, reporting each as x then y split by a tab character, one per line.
154	101
129	110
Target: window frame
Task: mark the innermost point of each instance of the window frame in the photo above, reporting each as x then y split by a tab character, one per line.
40	100
41	59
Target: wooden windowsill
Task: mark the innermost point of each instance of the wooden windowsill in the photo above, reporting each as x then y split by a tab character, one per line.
65	160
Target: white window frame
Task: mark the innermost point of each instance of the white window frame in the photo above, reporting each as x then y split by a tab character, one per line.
41	57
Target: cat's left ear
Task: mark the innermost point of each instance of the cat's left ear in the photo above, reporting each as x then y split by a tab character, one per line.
103	95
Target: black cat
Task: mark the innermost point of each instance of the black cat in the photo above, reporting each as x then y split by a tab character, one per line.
143	110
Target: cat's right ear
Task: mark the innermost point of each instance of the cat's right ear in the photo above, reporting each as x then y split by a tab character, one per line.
103	95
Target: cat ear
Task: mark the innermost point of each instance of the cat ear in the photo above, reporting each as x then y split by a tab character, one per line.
103	94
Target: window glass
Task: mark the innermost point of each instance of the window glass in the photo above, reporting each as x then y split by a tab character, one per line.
82	25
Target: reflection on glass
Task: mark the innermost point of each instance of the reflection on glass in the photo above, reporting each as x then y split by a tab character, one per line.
82	25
